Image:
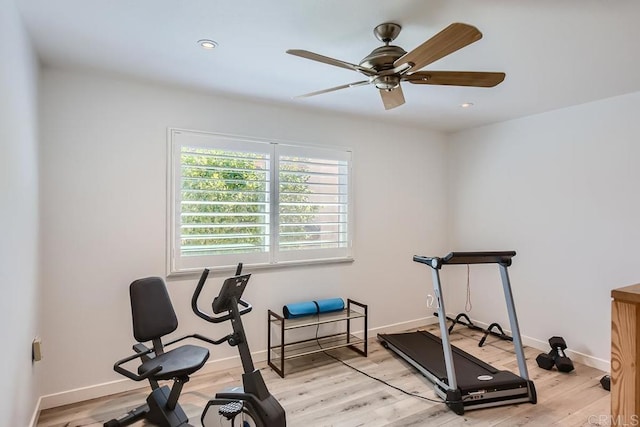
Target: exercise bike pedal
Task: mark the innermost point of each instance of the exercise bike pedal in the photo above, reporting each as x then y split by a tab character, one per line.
231	410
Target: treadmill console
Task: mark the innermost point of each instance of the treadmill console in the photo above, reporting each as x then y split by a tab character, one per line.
491	257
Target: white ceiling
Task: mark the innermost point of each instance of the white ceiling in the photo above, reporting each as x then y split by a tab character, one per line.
555	53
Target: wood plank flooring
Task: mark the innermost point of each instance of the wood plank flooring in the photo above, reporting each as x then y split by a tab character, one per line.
319	391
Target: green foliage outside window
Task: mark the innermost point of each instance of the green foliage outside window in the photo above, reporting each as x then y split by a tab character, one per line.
225	202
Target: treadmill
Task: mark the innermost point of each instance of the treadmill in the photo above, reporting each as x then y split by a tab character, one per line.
460	379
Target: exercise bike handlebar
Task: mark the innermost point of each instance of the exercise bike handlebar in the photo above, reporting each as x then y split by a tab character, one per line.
215	319
131	375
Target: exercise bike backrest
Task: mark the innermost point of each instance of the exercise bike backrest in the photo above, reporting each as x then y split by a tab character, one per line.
228	299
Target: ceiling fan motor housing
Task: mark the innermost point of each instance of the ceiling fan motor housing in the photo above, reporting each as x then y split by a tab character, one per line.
381	59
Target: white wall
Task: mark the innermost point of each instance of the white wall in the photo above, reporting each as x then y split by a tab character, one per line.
560	188
104	211
19	217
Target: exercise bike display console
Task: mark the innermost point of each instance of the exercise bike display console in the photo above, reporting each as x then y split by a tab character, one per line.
251	402
460	379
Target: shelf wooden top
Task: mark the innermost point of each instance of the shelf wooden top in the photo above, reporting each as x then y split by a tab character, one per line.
627	294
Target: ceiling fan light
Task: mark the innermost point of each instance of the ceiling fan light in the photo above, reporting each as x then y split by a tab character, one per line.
387	82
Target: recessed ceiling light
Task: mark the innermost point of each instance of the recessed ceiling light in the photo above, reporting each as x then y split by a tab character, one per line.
467	105
207	44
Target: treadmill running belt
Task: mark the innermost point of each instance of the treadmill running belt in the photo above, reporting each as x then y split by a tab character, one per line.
426	350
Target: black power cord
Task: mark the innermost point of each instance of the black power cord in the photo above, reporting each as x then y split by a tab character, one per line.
408	393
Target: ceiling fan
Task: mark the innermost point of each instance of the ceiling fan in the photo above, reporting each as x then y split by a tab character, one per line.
386	66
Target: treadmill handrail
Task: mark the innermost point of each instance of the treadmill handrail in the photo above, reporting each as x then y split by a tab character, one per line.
490	257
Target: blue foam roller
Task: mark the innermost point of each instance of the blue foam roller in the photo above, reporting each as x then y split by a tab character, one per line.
301	309
330	304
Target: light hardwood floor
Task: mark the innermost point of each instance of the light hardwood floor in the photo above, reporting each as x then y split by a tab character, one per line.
318	391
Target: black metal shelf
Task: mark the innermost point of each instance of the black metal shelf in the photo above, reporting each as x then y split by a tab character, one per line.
284	350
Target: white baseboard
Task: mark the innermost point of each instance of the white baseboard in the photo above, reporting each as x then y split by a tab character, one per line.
543	346
121	385
403	326
36	413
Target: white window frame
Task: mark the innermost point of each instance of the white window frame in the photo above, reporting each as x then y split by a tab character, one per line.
178	264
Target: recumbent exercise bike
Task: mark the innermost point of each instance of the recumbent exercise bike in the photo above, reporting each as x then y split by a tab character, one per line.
153	317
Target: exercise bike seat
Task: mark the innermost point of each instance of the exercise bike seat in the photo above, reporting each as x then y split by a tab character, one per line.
154	318
179	362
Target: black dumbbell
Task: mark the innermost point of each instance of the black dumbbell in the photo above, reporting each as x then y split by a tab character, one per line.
563	363
605	382
556	356
546	361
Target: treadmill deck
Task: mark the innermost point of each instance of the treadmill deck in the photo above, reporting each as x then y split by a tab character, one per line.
472	374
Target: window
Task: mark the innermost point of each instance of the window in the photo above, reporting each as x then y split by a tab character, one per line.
236	200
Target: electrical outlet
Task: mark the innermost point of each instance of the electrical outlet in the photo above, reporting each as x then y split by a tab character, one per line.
36	350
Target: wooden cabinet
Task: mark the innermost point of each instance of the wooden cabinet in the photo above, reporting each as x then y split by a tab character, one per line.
281	347
625	354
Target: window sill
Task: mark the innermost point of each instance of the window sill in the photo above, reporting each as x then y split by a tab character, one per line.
195	272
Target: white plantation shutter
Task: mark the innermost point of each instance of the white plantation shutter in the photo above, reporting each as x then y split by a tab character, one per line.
243	200
313	203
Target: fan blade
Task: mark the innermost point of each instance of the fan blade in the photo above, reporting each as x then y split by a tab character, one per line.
447	41
392	98
455	78
331	61
362	83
